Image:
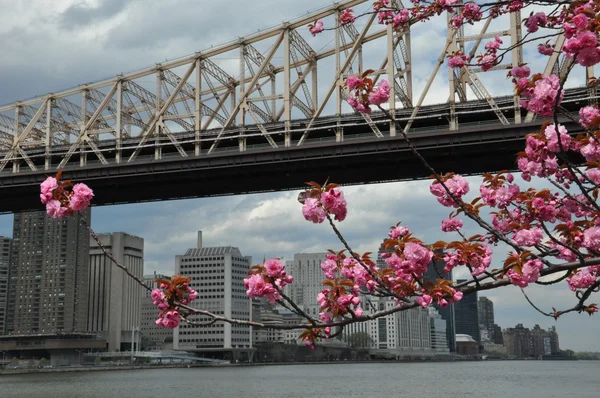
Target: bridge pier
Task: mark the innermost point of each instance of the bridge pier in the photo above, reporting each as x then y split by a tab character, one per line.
339	134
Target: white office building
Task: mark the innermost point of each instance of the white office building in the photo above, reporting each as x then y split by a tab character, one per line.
403	334
218	276
115	300
308	280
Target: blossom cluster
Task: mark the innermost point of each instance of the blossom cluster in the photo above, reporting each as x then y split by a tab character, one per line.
455	186
582	34
541	93
322	201
168	296
62	198
267	280
363	92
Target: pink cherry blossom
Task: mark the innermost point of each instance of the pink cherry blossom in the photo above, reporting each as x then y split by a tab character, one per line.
333	200
55	209
257	287
424	301
316	28
520	71
591	238
274	267
487	62
589	117
457	61
565	138
397	232
401	18
329	267
581	280
47	188
417	256
353	83
457	185
591	151
516	278
545	49
472	13
451	224
381	94
347	17
170	320
580	21
593	175
535	21
81	197
312	211
493	45
542	99
531	270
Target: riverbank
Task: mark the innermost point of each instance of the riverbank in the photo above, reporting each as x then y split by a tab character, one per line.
93	368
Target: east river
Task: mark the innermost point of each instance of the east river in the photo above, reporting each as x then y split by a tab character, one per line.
529	379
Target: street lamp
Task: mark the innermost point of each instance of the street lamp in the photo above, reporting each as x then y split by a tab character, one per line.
3	357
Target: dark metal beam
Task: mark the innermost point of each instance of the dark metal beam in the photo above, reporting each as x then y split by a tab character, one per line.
467	151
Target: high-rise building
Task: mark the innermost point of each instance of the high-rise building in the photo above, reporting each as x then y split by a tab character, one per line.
554	346
404	333
153	337
114	298
308	280
521	342
540	342
439	339
496	335
486	313
434	272
518	341
5	249
218	275
48	285
467	316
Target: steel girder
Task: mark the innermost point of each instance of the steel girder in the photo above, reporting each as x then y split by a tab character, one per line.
283	92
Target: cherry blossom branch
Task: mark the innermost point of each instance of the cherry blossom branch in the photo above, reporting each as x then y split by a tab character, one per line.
406	306
351	252
482	223
295	307
562	152
110	256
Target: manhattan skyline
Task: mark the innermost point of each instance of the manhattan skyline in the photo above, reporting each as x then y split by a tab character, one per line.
66	36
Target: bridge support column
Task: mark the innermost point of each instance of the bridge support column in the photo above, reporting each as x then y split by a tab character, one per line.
391	72
242	142
82	156
592	91
197	107
339	134
119	122
48	158
517	55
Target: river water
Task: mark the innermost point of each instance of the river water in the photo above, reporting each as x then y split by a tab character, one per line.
529	379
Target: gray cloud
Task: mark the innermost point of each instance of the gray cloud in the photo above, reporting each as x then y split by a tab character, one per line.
83	14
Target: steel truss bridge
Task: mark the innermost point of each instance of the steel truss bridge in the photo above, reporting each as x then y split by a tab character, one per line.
193	128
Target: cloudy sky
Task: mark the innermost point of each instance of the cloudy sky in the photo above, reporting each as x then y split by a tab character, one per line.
49	45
